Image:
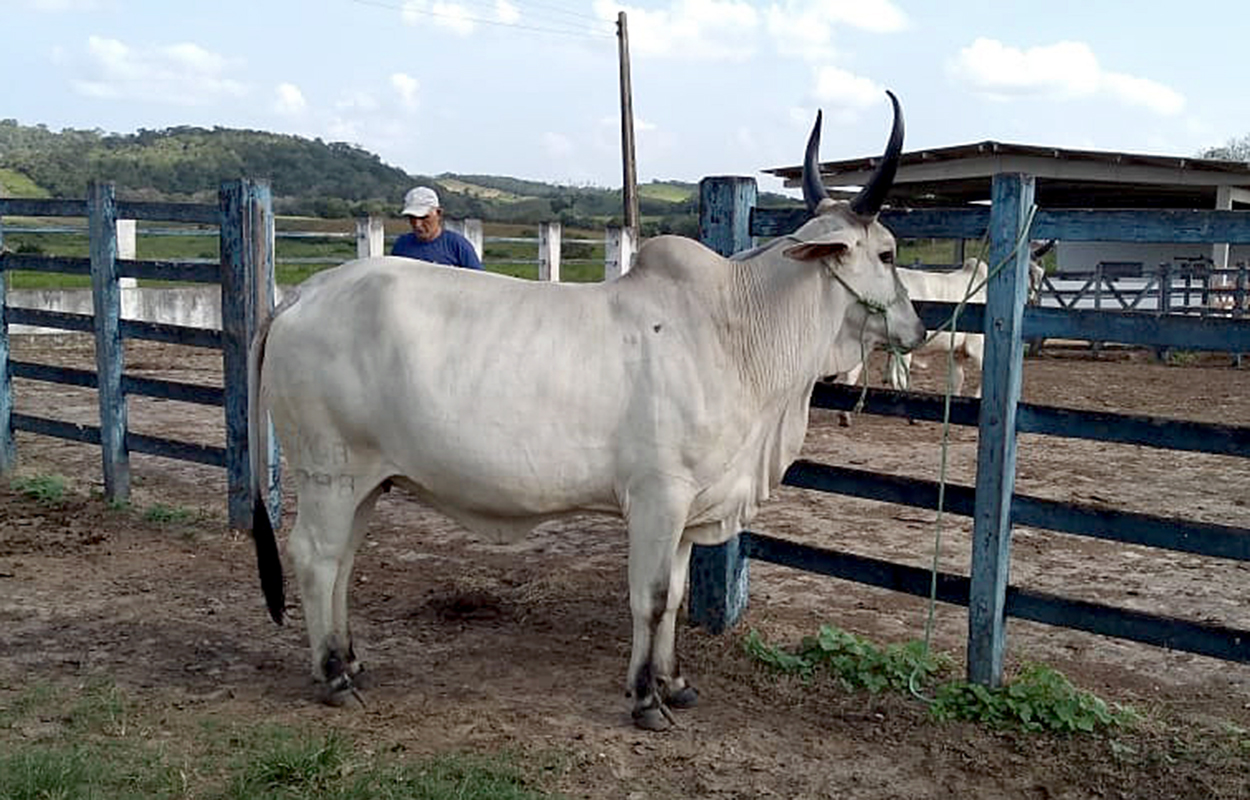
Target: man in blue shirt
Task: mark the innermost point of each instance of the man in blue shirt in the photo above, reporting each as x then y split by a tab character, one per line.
429	241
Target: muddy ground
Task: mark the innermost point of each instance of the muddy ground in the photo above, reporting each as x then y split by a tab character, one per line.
480	647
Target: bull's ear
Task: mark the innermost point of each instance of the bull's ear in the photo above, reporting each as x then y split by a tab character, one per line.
815	251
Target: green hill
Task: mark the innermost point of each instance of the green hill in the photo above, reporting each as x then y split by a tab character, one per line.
309	177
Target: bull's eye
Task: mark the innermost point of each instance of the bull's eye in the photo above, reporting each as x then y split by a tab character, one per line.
887	257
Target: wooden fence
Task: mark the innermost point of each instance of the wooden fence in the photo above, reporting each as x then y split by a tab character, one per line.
720	575
371	240
245	274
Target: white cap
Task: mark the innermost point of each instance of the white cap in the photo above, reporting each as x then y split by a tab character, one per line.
419	202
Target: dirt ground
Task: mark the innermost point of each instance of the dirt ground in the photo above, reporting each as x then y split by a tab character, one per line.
523	647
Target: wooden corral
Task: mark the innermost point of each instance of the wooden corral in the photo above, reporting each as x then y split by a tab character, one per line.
720	575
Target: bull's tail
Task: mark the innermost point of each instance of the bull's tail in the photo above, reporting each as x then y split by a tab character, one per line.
267	559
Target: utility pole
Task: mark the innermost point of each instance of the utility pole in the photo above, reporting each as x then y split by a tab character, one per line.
630	186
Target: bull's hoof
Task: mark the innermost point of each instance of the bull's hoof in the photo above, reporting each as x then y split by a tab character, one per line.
685	697
362	679
342	692
655	718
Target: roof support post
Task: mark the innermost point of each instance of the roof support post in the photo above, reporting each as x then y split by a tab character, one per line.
1006	295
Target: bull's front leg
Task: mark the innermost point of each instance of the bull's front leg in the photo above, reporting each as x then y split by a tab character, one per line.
658	562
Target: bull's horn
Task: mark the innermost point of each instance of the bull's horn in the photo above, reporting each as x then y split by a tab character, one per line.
869	200
813	187
1043	249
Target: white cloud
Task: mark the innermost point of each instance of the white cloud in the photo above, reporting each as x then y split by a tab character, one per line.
557	145
805	28
1062	70
507	12
181	74
442	14
845	92
694	29
407	87
290	100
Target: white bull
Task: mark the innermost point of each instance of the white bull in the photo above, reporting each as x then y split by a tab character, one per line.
674	397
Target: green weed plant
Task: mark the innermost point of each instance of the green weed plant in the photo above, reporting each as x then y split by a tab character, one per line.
1039	698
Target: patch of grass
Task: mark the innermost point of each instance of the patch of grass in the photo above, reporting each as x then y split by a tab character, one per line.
1038	699
48	490
93	742
162	514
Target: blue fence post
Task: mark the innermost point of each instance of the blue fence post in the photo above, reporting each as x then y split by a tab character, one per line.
720	575
1006	295
247	258
8	447
109	354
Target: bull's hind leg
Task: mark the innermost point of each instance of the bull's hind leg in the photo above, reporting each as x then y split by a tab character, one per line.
655	521
674	690
330	519
342	586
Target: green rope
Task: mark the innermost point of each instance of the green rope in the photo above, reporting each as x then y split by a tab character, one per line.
945	446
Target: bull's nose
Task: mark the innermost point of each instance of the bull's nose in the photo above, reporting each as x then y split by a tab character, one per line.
915	335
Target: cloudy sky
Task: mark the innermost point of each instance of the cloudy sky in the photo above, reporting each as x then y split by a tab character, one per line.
529	88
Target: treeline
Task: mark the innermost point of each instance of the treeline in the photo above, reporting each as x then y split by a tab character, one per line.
309	177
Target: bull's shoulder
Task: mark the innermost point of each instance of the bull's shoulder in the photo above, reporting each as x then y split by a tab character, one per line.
678	258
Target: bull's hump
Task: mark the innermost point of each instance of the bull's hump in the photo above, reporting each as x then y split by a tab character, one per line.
677	258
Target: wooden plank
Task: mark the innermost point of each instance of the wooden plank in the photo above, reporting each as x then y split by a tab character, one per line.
202	213
1218	334
65	265
890	403
1173	226
109	353
1203	638
860	569
1158	432
1001	377
209	338
147	387
135	442
171	271
30	207
1183	536
179	451
1070	423
58	429
962	223
50	319
937	316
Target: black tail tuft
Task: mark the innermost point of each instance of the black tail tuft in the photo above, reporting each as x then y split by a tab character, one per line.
268	562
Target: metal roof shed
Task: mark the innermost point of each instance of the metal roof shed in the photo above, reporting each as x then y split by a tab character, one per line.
1065	178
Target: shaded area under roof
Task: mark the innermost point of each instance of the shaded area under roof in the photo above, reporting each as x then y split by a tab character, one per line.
961	174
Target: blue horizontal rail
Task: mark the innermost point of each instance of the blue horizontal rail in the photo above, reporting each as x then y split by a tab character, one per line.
131	384
1202	638
1200	538
135	442
1070	423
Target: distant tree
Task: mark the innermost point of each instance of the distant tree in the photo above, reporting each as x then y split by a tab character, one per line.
1233	150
